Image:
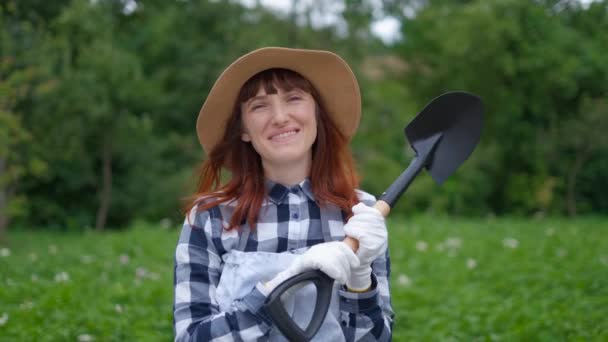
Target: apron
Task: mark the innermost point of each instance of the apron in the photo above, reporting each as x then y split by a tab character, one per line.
243	270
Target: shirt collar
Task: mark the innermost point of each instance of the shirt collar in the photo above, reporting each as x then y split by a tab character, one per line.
278	192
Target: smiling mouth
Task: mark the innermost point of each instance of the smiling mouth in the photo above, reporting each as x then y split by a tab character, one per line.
284	135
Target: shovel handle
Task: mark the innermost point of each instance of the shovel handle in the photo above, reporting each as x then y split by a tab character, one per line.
384	208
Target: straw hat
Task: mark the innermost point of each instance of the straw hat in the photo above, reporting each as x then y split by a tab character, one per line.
329	74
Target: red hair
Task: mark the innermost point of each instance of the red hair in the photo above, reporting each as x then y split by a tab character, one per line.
333	175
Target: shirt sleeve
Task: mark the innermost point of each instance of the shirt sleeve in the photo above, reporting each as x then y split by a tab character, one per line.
368	316
196	313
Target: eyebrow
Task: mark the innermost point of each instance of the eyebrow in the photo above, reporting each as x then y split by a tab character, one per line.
251	99
295	90
258	97
262	97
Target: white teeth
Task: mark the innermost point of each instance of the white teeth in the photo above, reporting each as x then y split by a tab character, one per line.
283	135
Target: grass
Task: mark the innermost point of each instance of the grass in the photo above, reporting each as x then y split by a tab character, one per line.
452	279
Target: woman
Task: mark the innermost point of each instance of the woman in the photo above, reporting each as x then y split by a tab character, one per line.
279	120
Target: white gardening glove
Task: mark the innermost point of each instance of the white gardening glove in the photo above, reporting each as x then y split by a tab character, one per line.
334	258
367	225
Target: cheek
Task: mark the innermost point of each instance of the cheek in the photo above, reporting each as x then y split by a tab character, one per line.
313	121
308	115
249	124
254	127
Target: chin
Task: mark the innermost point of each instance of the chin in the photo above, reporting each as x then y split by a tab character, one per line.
288	157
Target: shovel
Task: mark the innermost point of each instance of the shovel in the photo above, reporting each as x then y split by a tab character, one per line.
443	135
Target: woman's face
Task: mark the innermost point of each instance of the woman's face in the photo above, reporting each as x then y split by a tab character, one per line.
281	127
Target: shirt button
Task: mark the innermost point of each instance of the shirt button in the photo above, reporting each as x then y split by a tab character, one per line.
295	215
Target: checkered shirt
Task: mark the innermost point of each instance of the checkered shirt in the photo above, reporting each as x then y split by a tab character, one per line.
289	219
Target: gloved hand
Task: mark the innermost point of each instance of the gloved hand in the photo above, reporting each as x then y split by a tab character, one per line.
334	258
367	225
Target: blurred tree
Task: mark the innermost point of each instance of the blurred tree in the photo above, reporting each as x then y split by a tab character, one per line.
98	117
100	99
117	127
20	78
531	62
582	136
40	13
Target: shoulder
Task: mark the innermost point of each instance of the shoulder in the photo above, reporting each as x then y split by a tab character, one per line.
219	211
205	227
365	197
207	218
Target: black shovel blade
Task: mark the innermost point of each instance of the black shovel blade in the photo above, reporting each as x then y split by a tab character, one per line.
458	118
443	135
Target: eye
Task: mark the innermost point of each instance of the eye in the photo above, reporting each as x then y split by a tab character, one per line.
294	98
256	106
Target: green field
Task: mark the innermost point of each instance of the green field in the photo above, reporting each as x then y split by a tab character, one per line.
452	279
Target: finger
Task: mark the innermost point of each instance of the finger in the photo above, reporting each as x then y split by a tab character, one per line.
331	271
361	208
341	270
348	255
366	219
336	268
353	231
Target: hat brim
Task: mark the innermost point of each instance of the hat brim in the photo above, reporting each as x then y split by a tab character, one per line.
329	74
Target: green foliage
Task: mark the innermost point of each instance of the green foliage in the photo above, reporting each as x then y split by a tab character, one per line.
534	64
20	79
505	279
89	86
101	285
463	279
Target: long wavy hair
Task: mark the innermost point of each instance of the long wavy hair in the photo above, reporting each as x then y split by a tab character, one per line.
333	175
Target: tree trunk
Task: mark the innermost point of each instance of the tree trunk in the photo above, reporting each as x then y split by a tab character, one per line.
3	202
573	175
292	34
105	195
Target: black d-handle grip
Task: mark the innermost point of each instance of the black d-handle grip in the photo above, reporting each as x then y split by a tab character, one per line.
274	307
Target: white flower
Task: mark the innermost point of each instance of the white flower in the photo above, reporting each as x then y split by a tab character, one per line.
165	223
52	249
454	243
550	231
141	272
3	319
26	305
510	243
471	263
62	277
33	257
404	280
422	246
124	259
4	252
85	338
34	278
118	308
86	259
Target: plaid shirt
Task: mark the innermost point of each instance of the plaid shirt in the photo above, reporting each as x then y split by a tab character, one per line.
289	219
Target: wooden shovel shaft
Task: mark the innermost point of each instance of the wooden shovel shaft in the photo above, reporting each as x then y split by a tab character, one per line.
384	208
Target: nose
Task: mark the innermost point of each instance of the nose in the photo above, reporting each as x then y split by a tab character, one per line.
280	113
